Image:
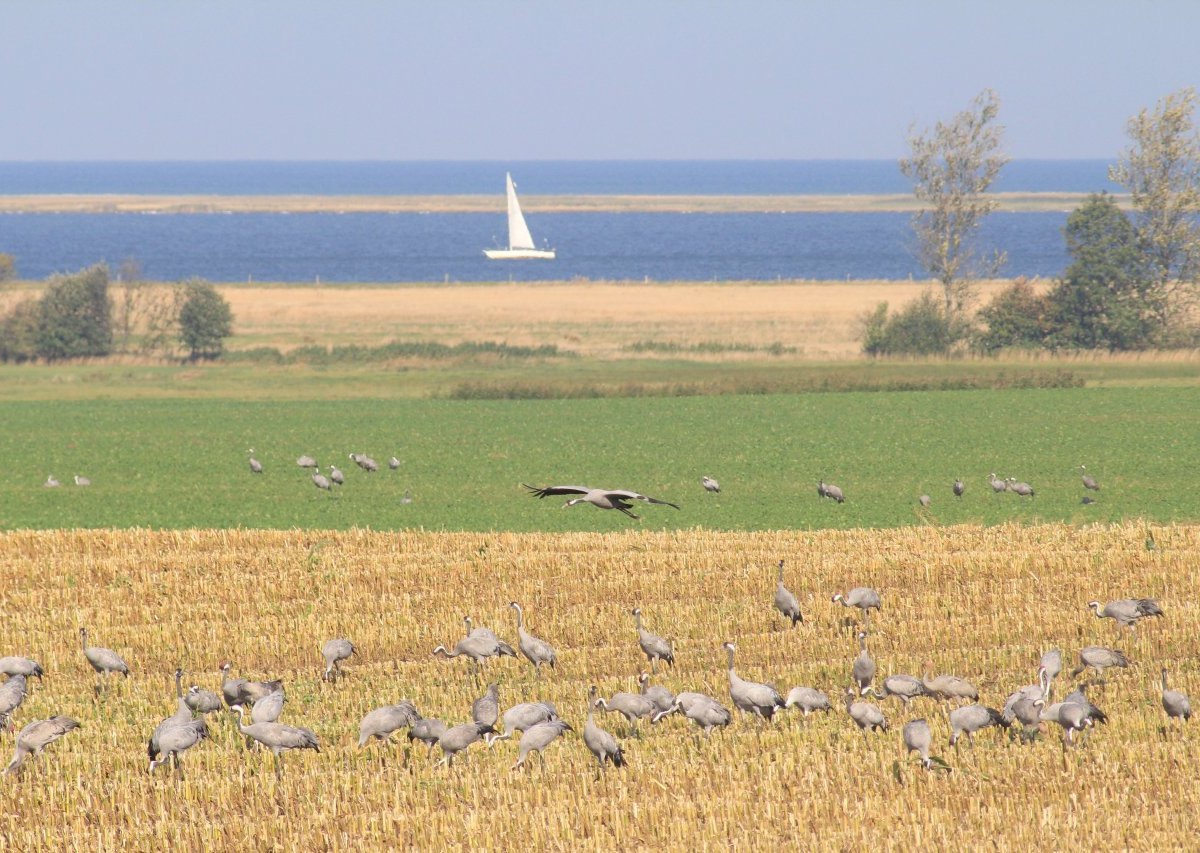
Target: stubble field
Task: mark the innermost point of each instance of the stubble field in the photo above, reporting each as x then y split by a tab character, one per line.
983	603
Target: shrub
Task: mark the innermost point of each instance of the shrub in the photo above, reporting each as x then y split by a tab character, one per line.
205	320
923	327
1016	317
8	267
75	319
19	332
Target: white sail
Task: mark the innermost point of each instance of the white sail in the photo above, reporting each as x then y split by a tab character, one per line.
520	241
518	232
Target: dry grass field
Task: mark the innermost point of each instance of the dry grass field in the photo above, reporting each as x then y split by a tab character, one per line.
821	320
980	602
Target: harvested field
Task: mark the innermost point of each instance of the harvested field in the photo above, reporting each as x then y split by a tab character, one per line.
980	602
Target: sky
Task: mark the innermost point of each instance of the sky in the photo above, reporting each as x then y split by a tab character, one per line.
562	80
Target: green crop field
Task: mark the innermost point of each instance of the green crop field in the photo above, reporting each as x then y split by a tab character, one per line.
172	463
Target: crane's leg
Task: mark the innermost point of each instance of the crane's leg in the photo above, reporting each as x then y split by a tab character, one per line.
278	766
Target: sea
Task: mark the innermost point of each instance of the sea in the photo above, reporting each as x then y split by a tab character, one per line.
447	247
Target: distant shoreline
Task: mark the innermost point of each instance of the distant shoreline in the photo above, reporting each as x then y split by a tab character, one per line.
1014	202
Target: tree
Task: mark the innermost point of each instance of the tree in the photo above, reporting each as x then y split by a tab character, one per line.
1016	317
74	318
951	168
19	331
1107	298
1161	171
205	320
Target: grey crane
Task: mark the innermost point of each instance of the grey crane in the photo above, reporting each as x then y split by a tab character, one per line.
863	669
924	500
807	699
703	710
381	722
973	718
12	694
269	708
427	730
996	483
103	661
751	697
959	487
904	687
537	738
918	738
202	701
1088	481
653	646
862	597
278	738
394	463
183	714
1021	489
946	686
710	485
659	696
255	466
829	490
407	497
239	692
174	740
36	736
600	498
82	481
524	716
27	667
321	481
599	742
865	715
336	476
1174	702
1072	717
1126	611
457	738
785	601
537	651
479	645
365	462
306	462
486	709
1099	658
1026	695
1078	696
334	652
52	482
632	706
1052	662
1027	712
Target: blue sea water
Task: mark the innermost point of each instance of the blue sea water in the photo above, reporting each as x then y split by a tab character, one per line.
355	247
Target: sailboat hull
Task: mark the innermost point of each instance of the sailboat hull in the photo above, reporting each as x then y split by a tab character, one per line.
518	254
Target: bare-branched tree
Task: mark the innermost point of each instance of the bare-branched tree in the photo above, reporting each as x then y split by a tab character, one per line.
1161	171
952	167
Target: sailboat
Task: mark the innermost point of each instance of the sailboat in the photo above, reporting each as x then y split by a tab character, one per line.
520	241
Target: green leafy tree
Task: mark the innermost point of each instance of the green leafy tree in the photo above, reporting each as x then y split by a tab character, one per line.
75	319
1107	298
19	332
8	267
1018	316
952	167
1161	171
205	320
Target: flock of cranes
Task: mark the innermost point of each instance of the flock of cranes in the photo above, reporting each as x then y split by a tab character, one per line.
335	477
540	724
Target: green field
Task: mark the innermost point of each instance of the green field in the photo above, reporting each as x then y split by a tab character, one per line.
180	463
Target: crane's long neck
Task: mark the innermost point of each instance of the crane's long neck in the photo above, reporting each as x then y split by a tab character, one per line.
780	577
637	621
862	644
1164	681
732	674
83	638
520	616
178	684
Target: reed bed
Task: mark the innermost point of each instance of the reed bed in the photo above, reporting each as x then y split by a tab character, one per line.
980	602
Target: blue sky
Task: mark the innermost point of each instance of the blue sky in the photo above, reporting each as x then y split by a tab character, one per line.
301	80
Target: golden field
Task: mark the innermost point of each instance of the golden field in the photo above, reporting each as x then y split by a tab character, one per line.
598	319
980	602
